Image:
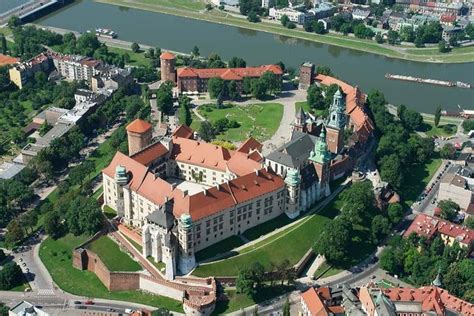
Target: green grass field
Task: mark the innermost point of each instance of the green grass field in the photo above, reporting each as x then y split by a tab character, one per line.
56	256
260	121
112	256
417	178
109	212
325	271
267	227
135	244
443	129
136	59
219	248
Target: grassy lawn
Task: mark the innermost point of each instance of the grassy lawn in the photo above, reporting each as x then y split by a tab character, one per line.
259	120
97	193
237	301
112	256
218	248
417	177
326	270
443	130
292	243
109	212
190	9
57	254
135	244
306	108
159	265
267	227
136	59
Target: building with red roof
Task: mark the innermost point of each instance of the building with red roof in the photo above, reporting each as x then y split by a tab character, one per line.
427	226
195	79
187	194
319	302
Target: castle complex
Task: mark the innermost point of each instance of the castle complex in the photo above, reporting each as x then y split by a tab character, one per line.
185	194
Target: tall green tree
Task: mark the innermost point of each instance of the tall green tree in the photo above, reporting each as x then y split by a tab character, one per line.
286	308
358	200
3	42
135	47
315	98
334	241
216	86
164	98
437	116
449	209
184	113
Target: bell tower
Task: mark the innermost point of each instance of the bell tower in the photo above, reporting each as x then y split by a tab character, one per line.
321	158
292	181
336	123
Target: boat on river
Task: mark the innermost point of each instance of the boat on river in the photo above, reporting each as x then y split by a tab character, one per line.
105	33
458	84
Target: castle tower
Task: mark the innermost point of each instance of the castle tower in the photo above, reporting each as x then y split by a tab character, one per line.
168	67
186	259
306	75
336	123
300	119
321	158
120	179
292	181
139	134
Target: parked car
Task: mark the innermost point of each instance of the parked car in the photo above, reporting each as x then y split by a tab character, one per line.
89	302
77	302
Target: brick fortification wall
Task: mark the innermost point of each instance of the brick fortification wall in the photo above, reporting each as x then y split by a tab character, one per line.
114	281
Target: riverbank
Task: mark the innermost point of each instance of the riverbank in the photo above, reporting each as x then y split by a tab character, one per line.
195	11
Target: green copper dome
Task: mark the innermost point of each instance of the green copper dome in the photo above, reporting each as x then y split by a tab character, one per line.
321	154
186	220
121	175
292	177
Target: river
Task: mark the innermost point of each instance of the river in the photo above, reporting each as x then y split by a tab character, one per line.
358	68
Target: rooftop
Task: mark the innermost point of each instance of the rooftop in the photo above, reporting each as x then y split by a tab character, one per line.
139	126
229	73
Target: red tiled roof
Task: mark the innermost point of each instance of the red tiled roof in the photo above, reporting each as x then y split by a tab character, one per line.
315	305
355	100
150	153
184	132
431	298
167	55
227	195
427	226
8	60
139	126
135	170
250	145
155	189
228	73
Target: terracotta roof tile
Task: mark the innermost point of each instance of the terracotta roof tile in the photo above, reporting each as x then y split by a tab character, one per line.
139	126
136	171
184	132
315	305
229	73
150	153
8	60
250	145
167	55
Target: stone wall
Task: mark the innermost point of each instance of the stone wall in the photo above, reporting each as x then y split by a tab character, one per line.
152	285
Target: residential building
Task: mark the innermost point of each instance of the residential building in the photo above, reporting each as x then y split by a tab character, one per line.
455	188
294	16
321	11
195	80
360	14
320	302
186	194
429	227
22	72
265	4
26	309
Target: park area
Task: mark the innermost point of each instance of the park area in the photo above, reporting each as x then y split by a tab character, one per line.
260	121
112	256
57	257
290	243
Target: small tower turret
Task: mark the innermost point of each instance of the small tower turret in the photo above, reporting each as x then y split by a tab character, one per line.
292	181
120	179
186	260
336	123
321	158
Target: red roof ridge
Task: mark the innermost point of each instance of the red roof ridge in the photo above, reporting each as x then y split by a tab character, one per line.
167	55
139	126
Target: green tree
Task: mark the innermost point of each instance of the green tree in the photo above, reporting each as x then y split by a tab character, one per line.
308	26
253	17
271	81
195	51
237	62
379	38
4	309
10	276
135	47
52	224
284	20
286	308
449	209
448	151
184	113
244	283
83	216
442	47
3	42
206	131
216	86
391	170
468	125
14	233
357	200
395	212
318	27
314	97
392	37
469	222
380	227
334	241
437	116
258	88
233	90
164	98
14	22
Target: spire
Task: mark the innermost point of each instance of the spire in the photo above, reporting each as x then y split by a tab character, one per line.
437	281
337	111
320	154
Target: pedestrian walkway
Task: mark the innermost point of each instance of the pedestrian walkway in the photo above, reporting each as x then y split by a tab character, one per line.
46	292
